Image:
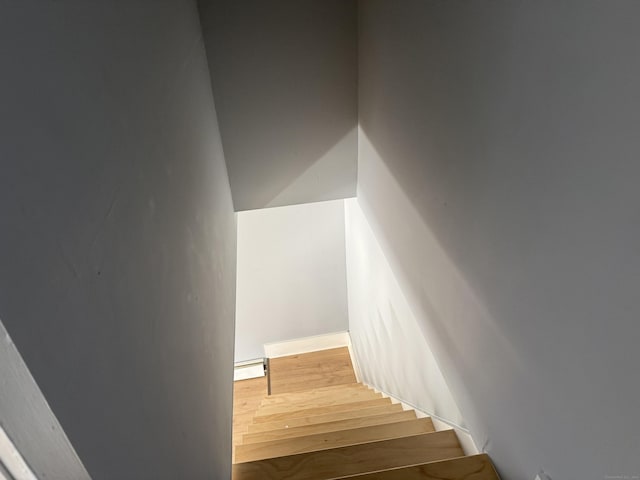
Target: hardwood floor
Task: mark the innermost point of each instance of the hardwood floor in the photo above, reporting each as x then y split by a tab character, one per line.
462	468
364	411
247	395
329	426
320	424
311	370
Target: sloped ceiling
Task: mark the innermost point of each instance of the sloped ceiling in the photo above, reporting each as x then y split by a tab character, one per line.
284	77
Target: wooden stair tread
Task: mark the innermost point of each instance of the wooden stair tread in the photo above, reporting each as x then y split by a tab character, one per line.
336	391
309	370
313	392
319	423
302	383
474	467
319	356
321	364
326	369
354	459
334	426
385	408
327	440
343	396
321	409
247	396
327	388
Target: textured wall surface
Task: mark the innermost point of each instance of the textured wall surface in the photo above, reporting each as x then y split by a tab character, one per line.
291	275
391	349
117	251
498	169
284	75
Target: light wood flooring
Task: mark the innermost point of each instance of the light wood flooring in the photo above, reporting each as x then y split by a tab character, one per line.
318	423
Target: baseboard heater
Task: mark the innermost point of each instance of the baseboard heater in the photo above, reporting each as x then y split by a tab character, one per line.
250	369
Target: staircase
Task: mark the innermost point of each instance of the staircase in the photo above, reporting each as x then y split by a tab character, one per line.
346	431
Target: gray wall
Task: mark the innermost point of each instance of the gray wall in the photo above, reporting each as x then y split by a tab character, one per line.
117	249
499	170
284	75
292	279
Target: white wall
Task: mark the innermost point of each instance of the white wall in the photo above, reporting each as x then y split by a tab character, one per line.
499	170
390	346
284	74
117	233
291	275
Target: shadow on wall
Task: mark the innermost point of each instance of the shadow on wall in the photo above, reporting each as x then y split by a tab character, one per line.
391	347
453	320
498	167
442	301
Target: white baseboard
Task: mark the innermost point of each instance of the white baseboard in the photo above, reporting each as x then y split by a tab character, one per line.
354	362
469	447
247	370
306	345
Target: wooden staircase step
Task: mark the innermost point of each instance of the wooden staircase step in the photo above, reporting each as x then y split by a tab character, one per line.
324	441
309	370
345	424
339	392
330	368
385	408
295	383
250	387
319	423
247	396
474	467
313	358
321	361
341	407
354	459
244	418
341	396
311	393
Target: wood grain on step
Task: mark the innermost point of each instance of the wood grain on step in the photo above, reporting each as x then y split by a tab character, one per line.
355	459
306	370
321	410
278	398
475	467
324	441
324	418
335	398
334	426
247	396
310	370
313	357
301	383
320	397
